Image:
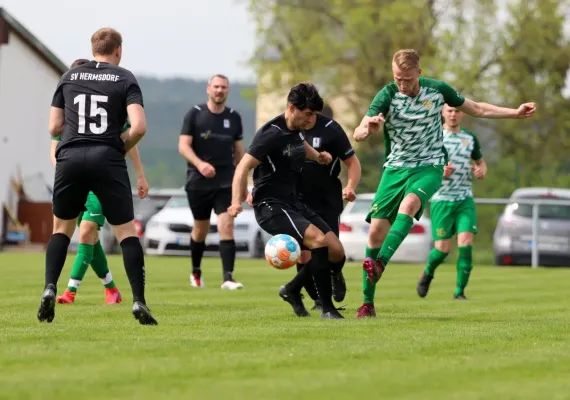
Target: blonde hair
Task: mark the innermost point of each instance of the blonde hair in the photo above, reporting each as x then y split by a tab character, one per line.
407	59
105	41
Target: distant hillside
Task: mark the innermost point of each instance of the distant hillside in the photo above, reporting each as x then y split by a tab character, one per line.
166	102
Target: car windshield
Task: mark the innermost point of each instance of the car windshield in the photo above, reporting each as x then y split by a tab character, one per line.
182	201
360	206
544	211
177	202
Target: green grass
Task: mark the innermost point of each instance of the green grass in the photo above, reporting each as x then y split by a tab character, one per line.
511	340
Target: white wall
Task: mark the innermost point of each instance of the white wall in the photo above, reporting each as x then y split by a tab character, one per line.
27	84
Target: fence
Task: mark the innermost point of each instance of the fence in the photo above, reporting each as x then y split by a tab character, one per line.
535	203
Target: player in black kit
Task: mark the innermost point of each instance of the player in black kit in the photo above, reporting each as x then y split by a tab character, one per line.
321	191
277	154
89	109
211	143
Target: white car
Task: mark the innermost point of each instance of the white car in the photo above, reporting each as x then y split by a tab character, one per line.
168	232
354	234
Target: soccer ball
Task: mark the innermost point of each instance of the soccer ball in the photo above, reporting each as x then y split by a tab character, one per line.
282	251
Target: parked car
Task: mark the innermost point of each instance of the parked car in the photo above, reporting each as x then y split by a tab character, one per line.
168	232
354	234
512	240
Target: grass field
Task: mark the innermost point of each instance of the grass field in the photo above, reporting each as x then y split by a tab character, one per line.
511	340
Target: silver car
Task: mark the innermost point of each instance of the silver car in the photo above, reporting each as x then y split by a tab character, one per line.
512	240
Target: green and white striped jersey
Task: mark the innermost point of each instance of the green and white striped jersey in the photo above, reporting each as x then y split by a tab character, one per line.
462	147
413	125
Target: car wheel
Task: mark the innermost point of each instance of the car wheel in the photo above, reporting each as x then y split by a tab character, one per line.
259	247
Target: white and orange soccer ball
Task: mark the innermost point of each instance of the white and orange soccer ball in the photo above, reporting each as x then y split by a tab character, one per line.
282	251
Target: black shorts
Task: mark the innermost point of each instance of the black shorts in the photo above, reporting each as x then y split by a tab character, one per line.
202	202
275	217
100	169
332	220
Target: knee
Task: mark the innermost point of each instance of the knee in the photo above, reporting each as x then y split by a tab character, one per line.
443	245
87	234
200	230
410	205
377	233
465	239
336	250
225	225
305	256
315	240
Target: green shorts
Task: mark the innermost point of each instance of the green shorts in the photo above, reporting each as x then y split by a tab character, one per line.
449	218
93	213
397	183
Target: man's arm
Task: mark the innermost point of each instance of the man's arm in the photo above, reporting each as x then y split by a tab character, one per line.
56	121
53	148
239	151
486	110
185	149
142	184
354	172
137	130
239	183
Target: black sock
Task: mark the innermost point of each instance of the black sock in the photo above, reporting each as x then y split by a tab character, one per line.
296	284
196	252
322	276
56	253
133	257
309	284
336	267
228	254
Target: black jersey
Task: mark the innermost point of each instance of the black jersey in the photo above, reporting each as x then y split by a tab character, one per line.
213	141
282	154
95	97
319	186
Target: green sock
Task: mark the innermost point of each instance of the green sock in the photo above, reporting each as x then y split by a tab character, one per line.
80	265
368	289
464	267
435	258
396	236
99	264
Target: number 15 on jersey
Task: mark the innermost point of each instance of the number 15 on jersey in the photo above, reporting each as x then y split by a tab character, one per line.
94	112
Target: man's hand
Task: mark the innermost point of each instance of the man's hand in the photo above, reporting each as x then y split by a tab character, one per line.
324	158
234	210
448	170
142	186
372	125
525	110
348	194
207	169
249	199
480	171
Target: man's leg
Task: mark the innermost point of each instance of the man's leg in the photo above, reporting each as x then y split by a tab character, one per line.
466	228
442	215
69	196
201	204
56	253
222	201
309	284
113	189
99	264
421	185
87	237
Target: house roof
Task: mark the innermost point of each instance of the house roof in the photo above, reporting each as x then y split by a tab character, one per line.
9	23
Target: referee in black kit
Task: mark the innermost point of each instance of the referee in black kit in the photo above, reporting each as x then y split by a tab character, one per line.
321	190
211	143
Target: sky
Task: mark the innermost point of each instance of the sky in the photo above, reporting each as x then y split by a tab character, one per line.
164	38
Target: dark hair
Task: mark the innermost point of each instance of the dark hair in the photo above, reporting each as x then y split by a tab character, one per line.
218	76
78	62
327	111
305	95
105	41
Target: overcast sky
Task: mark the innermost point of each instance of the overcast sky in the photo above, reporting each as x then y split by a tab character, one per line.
162	38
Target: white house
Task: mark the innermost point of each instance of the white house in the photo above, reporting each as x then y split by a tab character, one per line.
29	74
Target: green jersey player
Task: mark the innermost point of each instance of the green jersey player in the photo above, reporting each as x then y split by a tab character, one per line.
408	113
452	207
